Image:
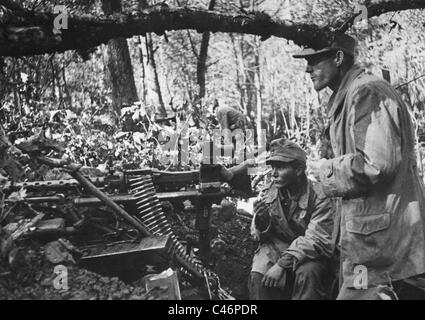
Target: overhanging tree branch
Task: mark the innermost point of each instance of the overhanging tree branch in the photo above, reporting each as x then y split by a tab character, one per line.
30	34
26	33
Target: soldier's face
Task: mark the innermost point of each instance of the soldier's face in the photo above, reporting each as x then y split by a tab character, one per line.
283	174
322	69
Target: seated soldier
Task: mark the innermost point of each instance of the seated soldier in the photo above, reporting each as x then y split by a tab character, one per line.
293	221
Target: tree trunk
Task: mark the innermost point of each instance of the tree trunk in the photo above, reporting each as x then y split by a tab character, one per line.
2	79
259	105
152	87
258	98
203	55
119	68
252	58
160	106
240	73
250	74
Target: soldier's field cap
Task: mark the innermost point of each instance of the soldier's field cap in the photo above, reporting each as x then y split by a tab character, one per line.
342	42
283	150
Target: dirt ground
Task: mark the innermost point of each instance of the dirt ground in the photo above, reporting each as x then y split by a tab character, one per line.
32	276
232	247
234	265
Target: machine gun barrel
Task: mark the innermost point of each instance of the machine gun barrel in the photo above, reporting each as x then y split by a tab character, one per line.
58	185
174	180
162	196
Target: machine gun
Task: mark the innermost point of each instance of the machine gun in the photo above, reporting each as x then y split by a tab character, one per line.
140	193
203	187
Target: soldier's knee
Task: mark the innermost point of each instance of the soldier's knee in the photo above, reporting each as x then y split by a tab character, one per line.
310	271
311	281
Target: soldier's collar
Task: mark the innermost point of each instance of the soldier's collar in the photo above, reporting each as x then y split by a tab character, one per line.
303	200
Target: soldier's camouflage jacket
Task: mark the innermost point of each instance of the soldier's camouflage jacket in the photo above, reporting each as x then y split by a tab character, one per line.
305	231
375	174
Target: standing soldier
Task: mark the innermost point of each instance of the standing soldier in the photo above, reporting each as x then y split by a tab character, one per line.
374	172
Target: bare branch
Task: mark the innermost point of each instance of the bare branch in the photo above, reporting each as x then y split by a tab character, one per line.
376	8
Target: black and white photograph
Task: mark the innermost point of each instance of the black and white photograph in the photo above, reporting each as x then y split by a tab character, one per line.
228	151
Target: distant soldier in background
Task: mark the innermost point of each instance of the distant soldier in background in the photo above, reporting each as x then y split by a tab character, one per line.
232	122
229	118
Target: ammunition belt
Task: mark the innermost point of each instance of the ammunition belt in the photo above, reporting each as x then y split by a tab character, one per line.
150	213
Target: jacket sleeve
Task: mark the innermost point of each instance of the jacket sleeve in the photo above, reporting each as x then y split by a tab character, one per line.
375	133
317	240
